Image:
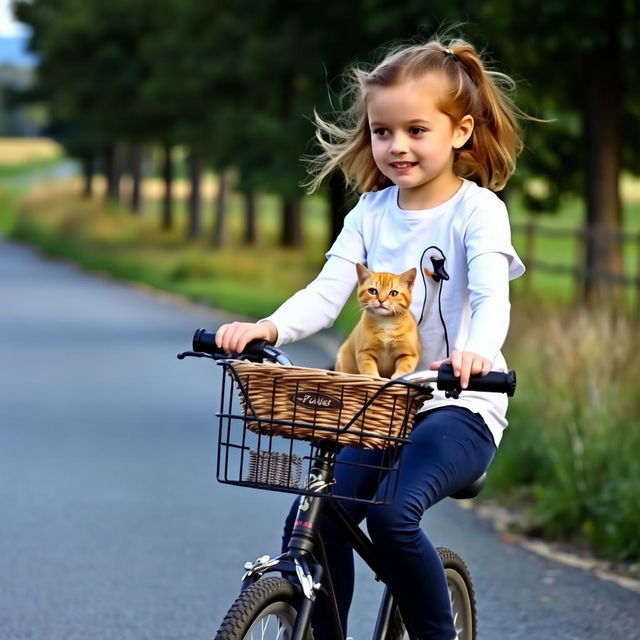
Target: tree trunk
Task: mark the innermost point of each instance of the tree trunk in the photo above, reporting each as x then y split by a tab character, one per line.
88	168
220	213
194	166
250	224
167	177
338	204
113	171
603	150
136	179
292	222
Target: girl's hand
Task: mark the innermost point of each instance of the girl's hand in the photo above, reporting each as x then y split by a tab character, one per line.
233	337
465	364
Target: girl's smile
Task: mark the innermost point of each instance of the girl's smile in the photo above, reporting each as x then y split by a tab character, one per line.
413	142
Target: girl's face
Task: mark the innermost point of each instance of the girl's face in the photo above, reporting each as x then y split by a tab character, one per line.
413	142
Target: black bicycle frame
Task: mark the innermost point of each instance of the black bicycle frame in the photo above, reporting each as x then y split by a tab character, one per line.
306	557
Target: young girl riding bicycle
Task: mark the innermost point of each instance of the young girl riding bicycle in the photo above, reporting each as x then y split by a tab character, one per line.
431	134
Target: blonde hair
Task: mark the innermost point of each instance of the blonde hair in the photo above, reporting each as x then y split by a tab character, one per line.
489	157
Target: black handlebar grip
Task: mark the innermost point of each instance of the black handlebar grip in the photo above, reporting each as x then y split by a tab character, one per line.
495	381
205	342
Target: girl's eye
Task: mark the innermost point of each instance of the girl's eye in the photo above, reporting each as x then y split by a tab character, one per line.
373	292
380	131
393	293
417	131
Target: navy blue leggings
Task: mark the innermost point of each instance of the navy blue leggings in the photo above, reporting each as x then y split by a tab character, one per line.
450	447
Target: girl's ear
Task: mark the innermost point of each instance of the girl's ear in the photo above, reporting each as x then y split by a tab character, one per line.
462	131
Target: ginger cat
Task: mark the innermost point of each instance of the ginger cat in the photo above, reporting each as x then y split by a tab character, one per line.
385	341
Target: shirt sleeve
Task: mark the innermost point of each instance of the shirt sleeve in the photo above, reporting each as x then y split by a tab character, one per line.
490	306
350	244
316	306
488	231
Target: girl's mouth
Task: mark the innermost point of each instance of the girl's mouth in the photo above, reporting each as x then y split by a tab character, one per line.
402	166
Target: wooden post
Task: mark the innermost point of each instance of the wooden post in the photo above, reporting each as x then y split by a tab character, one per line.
529	250
637	287
579	273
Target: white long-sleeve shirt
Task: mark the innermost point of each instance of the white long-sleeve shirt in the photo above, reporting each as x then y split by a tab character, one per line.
467	240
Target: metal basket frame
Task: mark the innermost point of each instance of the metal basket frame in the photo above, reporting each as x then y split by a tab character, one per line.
266	452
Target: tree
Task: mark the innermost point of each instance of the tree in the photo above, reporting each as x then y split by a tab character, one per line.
580	65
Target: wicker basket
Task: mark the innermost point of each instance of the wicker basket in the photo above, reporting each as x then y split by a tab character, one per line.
319	405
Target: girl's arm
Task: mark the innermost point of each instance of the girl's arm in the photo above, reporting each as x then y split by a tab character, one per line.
490	309
490	306
316	306
313	308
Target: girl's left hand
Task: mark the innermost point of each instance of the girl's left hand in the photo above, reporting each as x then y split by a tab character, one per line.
465	364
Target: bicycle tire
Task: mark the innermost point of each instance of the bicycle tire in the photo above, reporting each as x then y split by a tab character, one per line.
463	600
262	611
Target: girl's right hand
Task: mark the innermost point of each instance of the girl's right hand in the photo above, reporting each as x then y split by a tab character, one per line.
233	337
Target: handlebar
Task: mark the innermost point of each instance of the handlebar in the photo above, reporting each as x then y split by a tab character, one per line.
204	345
205	342
443	378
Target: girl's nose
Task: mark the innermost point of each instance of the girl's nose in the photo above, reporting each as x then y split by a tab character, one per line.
398	145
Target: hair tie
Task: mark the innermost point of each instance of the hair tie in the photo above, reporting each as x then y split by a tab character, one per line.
448	53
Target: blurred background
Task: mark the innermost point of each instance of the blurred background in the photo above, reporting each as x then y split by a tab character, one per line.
161	142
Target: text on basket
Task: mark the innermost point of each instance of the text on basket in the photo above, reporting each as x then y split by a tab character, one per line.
316	400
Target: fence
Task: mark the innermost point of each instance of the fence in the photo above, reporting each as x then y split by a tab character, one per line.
561	252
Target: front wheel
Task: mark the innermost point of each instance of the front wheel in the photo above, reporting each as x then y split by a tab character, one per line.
266	610
461	593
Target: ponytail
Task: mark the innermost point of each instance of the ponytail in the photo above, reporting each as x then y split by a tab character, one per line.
490	154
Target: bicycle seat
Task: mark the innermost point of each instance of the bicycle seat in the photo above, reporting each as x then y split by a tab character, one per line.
472	490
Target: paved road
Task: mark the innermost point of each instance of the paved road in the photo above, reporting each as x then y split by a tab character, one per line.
111	523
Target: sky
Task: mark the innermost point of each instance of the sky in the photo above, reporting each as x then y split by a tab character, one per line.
8	26
13	40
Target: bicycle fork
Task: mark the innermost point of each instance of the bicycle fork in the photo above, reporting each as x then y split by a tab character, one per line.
305	556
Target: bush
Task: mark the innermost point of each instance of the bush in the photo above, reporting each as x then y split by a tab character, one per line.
574	439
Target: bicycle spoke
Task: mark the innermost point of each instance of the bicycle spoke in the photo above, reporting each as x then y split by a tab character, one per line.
269	630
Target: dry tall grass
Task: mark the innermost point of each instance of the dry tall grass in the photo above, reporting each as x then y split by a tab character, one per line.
19	151
575	438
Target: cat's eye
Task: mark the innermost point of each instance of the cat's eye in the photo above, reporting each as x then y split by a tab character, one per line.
373	292
393	293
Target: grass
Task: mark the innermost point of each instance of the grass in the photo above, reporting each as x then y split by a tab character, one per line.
18	154
574	443
250	281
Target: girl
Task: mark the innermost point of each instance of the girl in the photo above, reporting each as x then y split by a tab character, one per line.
430	135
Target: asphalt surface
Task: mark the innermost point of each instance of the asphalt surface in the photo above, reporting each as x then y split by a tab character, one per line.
112	525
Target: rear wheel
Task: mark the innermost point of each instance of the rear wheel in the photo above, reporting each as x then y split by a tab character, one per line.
266	610
461	593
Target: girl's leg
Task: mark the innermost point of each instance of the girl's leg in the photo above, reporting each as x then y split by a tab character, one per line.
352	478
450	447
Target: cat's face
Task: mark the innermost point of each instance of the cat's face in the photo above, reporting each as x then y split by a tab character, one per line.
384	294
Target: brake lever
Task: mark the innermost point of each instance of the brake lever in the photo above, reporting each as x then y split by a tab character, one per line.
194	354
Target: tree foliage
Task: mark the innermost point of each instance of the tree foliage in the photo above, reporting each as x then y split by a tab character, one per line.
237	81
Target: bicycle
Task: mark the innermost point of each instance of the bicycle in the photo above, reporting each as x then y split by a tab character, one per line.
277	420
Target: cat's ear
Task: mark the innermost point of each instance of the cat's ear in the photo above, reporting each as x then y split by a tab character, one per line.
409	277
363	273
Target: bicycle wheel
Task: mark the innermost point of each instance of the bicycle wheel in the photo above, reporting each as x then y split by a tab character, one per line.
266	610
461	592
463	600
